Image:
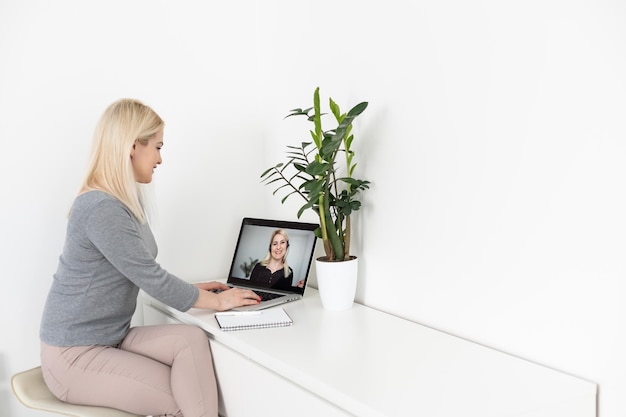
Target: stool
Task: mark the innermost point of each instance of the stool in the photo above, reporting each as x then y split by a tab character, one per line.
30	388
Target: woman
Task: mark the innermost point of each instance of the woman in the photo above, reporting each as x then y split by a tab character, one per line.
89	353
273	271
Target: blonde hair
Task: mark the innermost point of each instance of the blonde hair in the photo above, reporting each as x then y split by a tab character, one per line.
267	258
110	168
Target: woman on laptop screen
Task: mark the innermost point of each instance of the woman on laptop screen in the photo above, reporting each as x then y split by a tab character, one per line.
273	271
89	353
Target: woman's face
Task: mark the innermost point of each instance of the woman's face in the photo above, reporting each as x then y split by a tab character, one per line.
145	158
279	247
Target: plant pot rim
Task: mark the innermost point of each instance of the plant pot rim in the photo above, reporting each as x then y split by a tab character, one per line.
325	259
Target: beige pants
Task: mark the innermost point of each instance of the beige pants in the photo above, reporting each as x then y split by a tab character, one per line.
156	370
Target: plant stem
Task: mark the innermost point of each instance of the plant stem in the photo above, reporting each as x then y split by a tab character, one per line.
346	249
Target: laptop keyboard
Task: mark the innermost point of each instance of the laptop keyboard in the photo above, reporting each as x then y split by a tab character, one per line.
266	296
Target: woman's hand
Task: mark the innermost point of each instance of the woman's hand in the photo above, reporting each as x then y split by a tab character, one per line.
235	297
225	298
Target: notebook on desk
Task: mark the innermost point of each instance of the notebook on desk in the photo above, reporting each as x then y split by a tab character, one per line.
246	320
263	239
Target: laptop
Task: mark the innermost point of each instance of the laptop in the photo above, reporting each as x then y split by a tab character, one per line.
253	246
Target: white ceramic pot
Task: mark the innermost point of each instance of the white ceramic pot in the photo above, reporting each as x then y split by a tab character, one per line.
336	282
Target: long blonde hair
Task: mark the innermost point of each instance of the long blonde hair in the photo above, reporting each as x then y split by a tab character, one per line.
110	167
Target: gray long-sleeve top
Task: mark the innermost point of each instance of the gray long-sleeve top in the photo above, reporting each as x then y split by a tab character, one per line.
107	257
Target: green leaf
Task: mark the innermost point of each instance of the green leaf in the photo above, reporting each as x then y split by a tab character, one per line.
358	109
334	108
299	112
287	196
316	168
317	117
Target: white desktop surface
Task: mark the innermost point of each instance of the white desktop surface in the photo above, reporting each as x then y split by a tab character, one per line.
370	363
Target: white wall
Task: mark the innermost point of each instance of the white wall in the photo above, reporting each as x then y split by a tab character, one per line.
494	140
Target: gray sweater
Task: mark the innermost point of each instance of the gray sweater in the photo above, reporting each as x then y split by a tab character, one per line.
108	256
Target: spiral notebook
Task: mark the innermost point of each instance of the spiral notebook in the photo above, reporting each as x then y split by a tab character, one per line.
244	320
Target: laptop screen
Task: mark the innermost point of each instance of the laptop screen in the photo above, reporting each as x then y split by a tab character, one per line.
254	245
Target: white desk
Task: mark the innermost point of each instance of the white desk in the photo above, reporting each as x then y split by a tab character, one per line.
363	362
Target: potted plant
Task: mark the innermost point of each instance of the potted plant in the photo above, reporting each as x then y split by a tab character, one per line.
314	172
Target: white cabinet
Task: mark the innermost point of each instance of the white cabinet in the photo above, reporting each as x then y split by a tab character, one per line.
248	389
